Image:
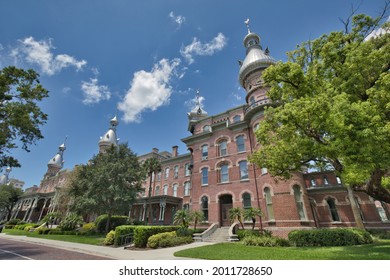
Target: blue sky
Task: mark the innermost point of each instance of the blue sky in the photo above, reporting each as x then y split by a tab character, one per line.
144	60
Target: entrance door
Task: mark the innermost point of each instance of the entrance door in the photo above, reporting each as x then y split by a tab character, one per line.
225	214
226	203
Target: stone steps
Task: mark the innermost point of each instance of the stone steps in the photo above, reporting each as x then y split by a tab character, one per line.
219	235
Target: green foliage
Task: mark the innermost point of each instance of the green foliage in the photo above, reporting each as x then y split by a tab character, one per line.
265	241
121	231
20	116
236	214
196	217
110	237
101	222
9	195
154	240
142	233
52	217
89	228
42	230
382	234
23	226
331	109
182	218
171	242
13	222
251	214
242	233
329	237
108	184
183	231
71	222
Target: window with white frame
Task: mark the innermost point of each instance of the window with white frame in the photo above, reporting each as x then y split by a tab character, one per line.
240	142
165	189
157	190
299	202
187	170
166	174
236	118
187	186
381	211
222	148
205	176
176	171
159	176
224	173
246	201
175	186
268	201
243	170
205	207
205	152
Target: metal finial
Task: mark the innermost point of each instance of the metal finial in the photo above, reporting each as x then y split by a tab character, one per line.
197	97
247	25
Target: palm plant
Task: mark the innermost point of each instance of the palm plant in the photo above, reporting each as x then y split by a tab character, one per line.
236	214
251	214
152	166
196	216
182	218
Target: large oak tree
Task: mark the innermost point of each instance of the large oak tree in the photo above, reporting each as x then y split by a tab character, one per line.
332	108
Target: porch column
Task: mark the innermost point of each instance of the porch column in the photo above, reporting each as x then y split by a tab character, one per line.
43	208
162	209
28	209
33	205
143	211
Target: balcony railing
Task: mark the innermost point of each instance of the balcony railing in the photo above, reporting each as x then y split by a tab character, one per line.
256	104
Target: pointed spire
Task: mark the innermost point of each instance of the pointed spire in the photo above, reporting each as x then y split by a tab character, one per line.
109	137
247	25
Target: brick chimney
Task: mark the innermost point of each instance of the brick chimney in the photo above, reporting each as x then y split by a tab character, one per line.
174	151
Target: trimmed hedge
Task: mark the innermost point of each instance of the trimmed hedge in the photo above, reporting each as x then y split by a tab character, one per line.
101	221
154	240
171	242
110	237
265	241
120	231
329	237
142	233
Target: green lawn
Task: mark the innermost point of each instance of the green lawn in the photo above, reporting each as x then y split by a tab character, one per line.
85	239
380	250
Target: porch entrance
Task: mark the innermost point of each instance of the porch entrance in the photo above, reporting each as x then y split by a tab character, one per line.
225	204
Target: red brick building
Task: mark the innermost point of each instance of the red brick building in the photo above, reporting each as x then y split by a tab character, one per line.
216	175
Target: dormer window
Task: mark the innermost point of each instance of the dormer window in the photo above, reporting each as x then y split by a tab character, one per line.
207	128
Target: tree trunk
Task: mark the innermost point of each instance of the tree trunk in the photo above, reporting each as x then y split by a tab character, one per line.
355	208
108	222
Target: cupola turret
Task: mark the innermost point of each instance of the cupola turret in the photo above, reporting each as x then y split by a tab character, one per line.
56	163
110	137
196	114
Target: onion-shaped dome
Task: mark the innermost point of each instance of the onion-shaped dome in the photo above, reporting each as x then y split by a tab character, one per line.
255	58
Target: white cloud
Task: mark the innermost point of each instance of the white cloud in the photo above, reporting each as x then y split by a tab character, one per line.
237	96
192	104
198	48
378	32
40	53
93	92
149	90
179	20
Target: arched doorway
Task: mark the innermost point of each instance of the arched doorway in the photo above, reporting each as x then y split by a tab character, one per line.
225	204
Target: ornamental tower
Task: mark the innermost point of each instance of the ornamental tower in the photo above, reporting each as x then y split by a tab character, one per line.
196	113
251	69
110	138
56	163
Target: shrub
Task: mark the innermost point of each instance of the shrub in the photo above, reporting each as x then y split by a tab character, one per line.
101	222
109	240
154	240
380	233
89	228
329	237
142	233
71	222
13	222
242	233
9	226
42	230
183	231
170	242
121	231
265	241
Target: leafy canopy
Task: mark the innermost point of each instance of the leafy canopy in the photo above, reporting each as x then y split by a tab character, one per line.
20	116
9	195
332	108
108	184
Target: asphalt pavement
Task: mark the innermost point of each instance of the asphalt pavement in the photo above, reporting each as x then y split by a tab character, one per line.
118	253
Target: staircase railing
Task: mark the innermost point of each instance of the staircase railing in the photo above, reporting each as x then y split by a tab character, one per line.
200	237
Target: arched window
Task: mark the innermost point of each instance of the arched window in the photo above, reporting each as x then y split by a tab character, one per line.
381	211
205	176
222	148
252	100
186	207
243	170
187	188
187	170
207	128
205	207
165	189
299	202
157	190
333	210
326	181
159	176
176	171
223	173
246	201
174	190
240	141
313	182
268	201
166	173
205	152
236	118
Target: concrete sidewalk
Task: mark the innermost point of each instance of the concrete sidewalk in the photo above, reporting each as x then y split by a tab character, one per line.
105	251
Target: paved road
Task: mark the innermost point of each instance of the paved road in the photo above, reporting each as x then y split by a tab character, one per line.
19	250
